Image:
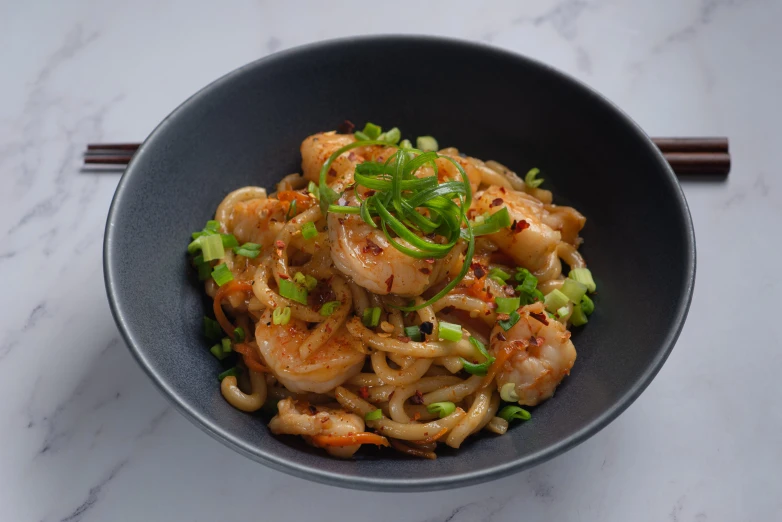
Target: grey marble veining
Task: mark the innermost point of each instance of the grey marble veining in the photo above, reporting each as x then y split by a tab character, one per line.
85	435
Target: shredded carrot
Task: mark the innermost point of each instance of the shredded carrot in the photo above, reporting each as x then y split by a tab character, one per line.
251	358
500	359
477	290
222	292
350	440
303	202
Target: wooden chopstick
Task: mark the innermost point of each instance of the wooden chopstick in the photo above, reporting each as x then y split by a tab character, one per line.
692	158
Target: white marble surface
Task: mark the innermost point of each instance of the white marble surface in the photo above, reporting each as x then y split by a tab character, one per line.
85	436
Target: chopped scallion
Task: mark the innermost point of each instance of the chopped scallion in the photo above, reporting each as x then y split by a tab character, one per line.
510	413
374	415
312	188
507	324
555	300
405	144
308	231
229	240
450	331
212	329
506	305
211	247
563	311
587	305
230	372
372	131
414	333
426	144
573	290
221	274
578	317
482	368
329	308
239	334
531	179
217	351
583	276
226	343
249	250
307	281
442	409
204	268
493	223
391	136
293	291
499	275
281	316
508	392
371	317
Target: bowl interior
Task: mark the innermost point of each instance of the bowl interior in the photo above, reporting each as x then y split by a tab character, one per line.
246	128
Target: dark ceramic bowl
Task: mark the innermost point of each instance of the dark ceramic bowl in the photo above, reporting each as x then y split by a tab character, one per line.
246	128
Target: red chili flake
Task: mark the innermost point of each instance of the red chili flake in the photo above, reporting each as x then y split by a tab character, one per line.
284	276
496	202
328	328
478	270
540	317
533	340
279	244
418	398
425	271
363	392
352	156
346	127
448	309
501	336
332	172
389	282
404	339
325	419
372	248
369	193
502	189
429	260
313	409
430	235
416	416
518	226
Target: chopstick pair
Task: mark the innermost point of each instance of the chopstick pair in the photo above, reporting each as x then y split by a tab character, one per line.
688	157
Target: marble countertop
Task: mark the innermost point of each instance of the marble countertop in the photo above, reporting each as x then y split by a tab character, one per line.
85	435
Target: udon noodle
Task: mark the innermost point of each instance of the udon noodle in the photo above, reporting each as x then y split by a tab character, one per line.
342	326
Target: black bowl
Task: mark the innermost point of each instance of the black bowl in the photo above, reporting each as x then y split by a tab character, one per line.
246	128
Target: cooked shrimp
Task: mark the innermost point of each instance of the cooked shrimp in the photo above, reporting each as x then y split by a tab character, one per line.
534	247
256	220
567	220
310	421
339	359
316	149
541	355
364	254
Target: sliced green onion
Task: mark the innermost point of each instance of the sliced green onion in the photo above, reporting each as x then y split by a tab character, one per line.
212	226
391	136
229	240
217	351
450	331
442	409
361	136
292	211
204	268
587	305
510	413
226	342
372	131
493	223
308	231
414	333
230	372
528	285
583	276
426	144
555	300
239	334
573	290
212	329
312	188
482	368
293	291
526	299
499	275
374	415
531	179
507	324
211	247
563	311
506	305
307	281
578	317
281	316
405	144
521	274
221	274
249	250
371	317
508	392
329	308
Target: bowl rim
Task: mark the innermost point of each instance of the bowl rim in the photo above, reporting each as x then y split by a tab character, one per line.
380	483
